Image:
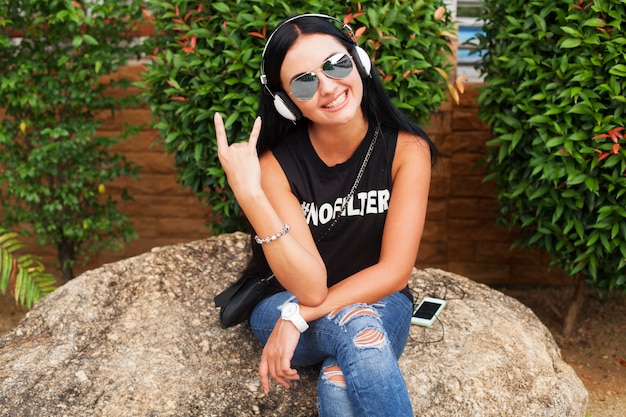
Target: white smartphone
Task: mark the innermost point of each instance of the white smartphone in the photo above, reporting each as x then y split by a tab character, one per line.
427	311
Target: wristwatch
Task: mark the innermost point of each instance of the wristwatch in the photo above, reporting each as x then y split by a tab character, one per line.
291	312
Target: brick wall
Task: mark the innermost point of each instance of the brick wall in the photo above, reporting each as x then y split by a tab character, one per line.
461	234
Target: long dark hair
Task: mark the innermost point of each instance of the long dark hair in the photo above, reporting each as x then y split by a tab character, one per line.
376	104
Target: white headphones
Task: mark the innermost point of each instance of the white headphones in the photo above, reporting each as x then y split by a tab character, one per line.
283	104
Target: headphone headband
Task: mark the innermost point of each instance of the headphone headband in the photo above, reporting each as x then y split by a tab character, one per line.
322	16
344	26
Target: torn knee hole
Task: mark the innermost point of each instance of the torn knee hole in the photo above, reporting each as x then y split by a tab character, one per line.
335	376
370	338
358	311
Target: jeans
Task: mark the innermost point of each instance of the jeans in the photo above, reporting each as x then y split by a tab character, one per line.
358	347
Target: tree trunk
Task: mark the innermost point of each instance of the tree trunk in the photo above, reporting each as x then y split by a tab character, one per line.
574	307
67	258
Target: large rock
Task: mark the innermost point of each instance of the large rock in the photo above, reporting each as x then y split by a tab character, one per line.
141	337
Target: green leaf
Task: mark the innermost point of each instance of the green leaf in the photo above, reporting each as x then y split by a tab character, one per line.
577	179
198	152
619	70
580	108
90	40
220	7
539	119
594	22
571	31
77	41
570	43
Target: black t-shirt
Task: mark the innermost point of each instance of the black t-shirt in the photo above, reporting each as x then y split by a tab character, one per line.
354	241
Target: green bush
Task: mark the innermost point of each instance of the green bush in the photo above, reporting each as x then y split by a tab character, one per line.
53	55
206	59
555	100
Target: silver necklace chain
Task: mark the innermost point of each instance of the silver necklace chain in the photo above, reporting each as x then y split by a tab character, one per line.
356	183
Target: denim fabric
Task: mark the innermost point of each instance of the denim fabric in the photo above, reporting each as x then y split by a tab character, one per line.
364	341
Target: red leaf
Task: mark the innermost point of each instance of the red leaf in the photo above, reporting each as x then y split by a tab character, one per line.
359	32
351	16
257	35
146	15
616	133
615	149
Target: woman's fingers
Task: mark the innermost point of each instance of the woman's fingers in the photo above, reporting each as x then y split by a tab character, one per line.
256	130
263	375
272	366
220	133
276	356
267	369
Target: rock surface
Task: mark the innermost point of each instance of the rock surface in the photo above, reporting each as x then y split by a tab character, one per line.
141	337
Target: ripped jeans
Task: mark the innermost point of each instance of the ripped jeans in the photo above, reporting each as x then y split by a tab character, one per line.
358	347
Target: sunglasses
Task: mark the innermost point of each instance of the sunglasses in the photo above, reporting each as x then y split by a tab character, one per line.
304	86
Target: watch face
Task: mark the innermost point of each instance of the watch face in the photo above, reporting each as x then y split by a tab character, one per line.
289	309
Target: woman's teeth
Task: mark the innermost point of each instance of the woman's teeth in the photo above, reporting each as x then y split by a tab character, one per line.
337	102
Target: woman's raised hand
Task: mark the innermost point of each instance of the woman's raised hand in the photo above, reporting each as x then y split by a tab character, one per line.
239	160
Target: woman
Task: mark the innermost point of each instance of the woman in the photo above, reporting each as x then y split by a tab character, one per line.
337	198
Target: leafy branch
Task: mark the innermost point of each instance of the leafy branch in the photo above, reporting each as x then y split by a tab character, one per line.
24	276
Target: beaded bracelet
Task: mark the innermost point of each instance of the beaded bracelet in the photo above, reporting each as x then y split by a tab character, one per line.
272	238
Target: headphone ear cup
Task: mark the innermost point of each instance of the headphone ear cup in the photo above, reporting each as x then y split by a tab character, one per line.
286	108
362	61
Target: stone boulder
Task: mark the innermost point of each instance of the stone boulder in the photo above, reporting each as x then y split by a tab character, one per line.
141	337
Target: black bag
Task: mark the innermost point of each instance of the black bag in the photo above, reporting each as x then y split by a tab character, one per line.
237	301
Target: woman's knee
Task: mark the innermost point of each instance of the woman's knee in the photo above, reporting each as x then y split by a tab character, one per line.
334	376
362	324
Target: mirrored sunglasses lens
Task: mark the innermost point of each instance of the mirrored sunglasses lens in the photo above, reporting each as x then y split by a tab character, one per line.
304	87
338	66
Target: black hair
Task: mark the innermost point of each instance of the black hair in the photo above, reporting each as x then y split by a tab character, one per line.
376	104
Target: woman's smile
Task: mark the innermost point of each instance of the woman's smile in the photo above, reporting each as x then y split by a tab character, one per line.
338	101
